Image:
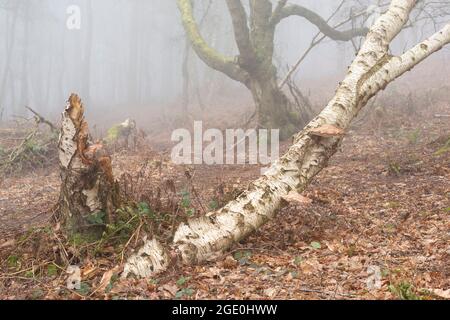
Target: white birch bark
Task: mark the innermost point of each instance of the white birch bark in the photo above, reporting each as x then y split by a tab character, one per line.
373	69
87	182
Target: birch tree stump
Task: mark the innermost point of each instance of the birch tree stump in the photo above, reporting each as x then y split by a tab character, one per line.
89	194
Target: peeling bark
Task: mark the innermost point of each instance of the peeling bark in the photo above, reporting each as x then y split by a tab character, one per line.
373	69
138	264
87	182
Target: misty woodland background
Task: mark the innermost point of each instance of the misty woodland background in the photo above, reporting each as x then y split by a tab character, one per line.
382	204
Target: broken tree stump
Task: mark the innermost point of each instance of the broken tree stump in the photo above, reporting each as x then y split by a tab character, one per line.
89	194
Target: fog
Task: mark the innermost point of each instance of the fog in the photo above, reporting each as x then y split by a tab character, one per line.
126	58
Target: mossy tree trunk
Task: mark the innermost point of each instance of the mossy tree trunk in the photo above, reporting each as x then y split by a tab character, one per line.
274	110
89	194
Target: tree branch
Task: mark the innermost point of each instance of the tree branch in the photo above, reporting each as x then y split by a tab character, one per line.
241	32
319	22
41	119
207	54
316	40
398	65
262	32
277	12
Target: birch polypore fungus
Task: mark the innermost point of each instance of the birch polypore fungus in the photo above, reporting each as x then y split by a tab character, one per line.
326	131
372	70
89	194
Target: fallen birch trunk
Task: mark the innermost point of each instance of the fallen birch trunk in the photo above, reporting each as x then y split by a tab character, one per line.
372	70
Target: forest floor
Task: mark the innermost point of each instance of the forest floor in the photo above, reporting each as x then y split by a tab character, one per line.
377	226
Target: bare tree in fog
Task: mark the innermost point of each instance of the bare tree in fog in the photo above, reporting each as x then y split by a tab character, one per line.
254	34
255	23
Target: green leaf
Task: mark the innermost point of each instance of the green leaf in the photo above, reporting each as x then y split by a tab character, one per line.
316	245
85	289
29	274
298	260
444	149
144	208
13	261
96	218
190	212
186	199
213	205
238	255
182	281
52	270
111	283
184	292
404	291
243	257
185	193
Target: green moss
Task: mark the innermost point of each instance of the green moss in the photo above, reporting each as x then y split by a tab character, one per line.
444	149
52	270
89	233
201	47
113	133
404	291
13	262
97	218
80	239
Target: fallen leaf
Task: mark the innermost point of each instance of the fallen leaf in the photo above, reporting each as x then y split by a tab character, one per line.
311	266
230	263
89	271
172	289
441	293
106	279
8	243
271	292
